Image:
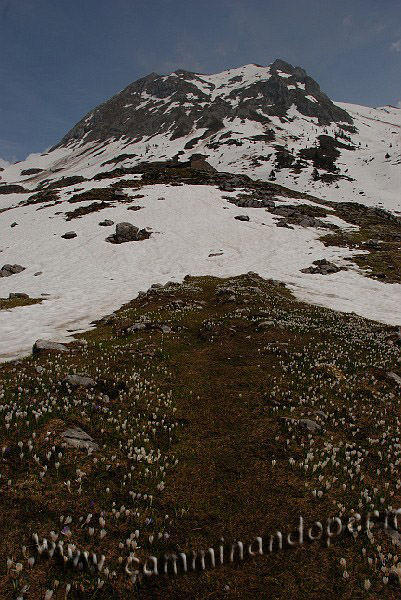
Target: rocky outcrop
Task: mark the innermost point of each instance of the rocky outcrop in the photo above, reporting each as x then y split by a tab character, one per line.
254	201
7	270
323	267
302	215
126	232
11	189
47	345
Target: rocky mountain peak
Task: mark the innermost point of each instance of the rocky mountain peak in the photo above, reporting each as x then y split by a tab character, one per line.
182	102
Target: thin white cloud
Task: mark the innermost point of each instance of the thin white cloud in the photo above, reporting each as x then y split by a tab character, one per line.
399	104
3	163
396	46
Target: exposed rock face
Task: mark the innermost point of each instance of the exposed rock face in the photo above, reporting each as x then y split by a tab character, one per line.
7	270
183	101
242	218
11	189
199	162
33	171
307	424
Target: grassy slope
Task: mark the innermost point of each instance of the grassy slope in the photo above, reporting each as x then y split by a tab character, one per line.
211	395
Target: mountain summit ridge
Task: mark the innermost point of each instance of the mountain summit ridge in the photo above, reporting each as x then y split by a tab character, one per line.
184	101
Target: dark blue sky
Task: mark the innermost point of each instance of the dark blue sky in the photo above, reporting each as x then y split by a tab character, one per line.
60	58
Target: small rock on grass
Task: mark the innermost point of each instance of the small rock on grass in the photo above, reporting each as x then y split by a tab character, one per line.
47	345
80	380
75	437
265	325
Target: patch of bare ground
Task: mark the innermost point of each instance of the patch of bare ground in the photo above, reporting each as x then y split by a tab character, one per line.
6	303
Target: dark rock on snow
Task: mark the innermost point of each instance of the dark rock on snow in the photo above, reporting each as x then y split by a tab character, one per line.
126	232
7	270
323	267
21	295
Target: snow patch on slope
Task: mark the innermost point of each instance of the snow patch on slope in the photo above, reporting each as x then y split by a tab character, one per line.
85	278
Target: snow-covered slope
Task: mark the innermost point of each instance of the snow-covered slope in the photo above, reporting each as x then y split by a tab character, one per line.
85	278
267	122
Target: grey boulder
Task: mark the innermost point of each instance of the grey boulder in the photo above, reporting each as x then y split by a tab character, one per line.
7	270
75	437
45	345
69	235
80	380
126	232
